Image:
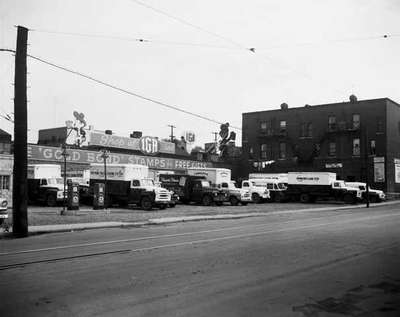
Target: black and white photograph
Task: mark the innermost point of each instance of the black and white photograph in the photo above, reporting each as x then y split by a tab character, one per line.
200	158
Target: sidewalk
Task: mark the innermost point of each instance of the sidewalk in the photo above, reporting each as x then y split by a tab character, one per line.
69	227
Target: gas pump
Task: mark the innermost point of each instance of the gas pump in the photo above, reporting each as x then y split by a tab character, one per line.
72	195
98	196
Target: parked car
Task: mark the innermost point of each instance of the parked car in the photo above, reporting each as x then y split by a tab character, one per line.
3	210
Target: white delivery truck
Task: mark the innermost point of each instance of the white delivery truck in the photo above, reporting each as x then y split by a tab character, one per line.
221	178
275	183
129	184
375	195
257	189
310	186
45	184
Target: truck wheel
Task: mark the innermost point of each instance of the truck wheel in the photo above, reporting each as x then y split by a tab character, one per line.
171	205
256	198
146	203
234	201
244	203
278	197
304	198
206	201
163	206
373	199
1	221
51	200
349	199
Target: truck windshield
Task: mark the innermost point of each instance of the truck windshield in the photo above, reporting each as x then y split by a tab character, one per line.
281	186
257	184
147	182
55	181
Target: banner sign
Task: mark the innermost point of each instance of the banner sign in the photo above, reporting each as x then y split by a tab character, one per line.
143	144
47	153
333	165
397	170
379	169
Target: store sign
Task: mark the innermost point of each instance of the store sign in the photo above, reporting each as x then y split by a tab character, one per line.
333	165
113	141
397	170
47	153
190	136
149	145
379	169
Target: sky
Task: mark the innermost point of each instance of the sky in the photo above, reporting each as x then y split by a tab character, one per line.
198	59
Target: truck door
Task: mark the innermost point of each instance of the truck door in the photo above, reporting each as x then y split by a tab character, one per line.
197	191
134	192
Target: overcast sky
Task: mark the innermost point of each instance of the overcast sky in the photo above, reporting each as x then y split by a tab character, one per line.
220	80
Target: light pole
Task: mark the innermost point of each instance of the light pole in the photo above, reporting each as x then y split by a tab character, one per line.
65	155
105	155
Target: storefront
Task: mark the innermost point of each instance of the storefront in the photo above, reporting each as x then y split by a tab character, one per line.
6	172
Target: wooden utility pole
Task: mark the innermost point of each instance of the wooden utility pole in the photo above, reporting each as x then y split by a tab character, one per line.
20	184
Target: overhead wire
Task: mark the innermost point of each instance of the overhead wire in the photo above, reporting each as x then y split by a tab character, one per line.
133	39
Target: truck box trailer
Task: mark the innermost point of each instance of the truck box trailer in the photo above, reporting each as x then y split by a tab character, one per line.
129	184
310	186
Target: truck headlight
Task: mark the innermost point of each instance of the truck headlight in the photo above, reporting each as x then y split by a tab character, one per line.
4	203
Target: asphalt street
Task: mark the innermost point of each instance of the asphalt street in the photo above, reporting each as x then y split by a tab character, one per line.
313	263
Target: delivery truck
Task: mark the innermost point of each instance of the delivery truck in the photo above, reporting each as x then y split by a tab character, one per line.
307	187
375	195
128	184
191	188
45	184
274	182
221	178
257	189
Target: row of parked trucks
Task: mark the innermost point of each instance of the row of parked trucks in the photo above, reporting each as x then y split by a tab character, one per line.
129	184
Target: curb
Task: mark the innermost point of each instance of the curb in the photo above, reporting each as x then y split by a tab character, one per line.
33	230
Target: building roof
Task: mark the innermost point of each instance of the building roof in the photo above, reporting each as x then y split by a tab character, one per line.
4	133
324	105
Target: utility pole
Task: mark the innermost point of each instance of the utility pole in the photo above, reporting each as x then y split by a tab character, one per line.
105	155
172	132
20	184
65	154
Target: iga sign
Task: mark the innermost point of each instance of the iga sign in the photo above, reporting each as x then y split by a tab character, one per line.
149	145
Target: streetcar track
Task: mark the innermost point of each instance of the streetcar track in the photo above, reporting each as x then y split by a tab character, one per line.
80	245
194	242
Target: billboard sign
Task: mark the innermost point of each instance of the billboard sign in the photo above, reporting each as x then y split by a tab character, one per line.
149	145
48	153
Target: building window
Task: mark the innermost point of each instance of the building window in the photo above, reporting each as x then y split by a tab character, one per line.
266	127
309	130
379	125
331	123
282	126
263	151
356	147
263	125
4	182
251	151
282	150
332	149
372	146
398	126
356	121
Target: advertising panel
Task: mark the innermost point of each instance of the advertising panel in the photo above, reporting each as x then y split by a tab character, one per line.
397	171
48	153
379	169
148	145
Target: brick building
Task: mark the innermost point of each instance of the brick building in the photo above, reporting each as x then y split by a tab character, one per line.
352	139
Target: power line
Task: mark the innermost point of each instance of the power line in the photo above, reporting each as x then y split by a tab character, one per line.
183	21
132	39
126	91
328	41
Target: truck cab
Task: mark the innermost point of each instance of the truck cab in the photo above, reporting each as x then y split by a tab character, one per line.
375	195
258	191
235	195
45	184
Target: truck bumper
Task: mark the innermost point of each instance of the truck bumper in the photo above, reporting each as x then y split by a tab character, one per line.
3	214
221	198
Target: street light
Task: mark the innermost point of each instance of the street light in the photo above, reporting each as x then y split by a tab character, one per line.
65	155
105	155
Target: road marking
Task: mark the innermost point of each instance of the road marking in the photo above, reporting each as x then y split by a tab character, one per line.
194	242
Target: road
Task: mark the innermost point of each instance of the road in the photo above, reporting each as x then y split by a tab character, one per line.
332	263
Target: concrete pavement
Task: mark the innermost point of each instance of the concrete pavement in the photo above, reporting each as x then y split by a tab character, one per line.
335	263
